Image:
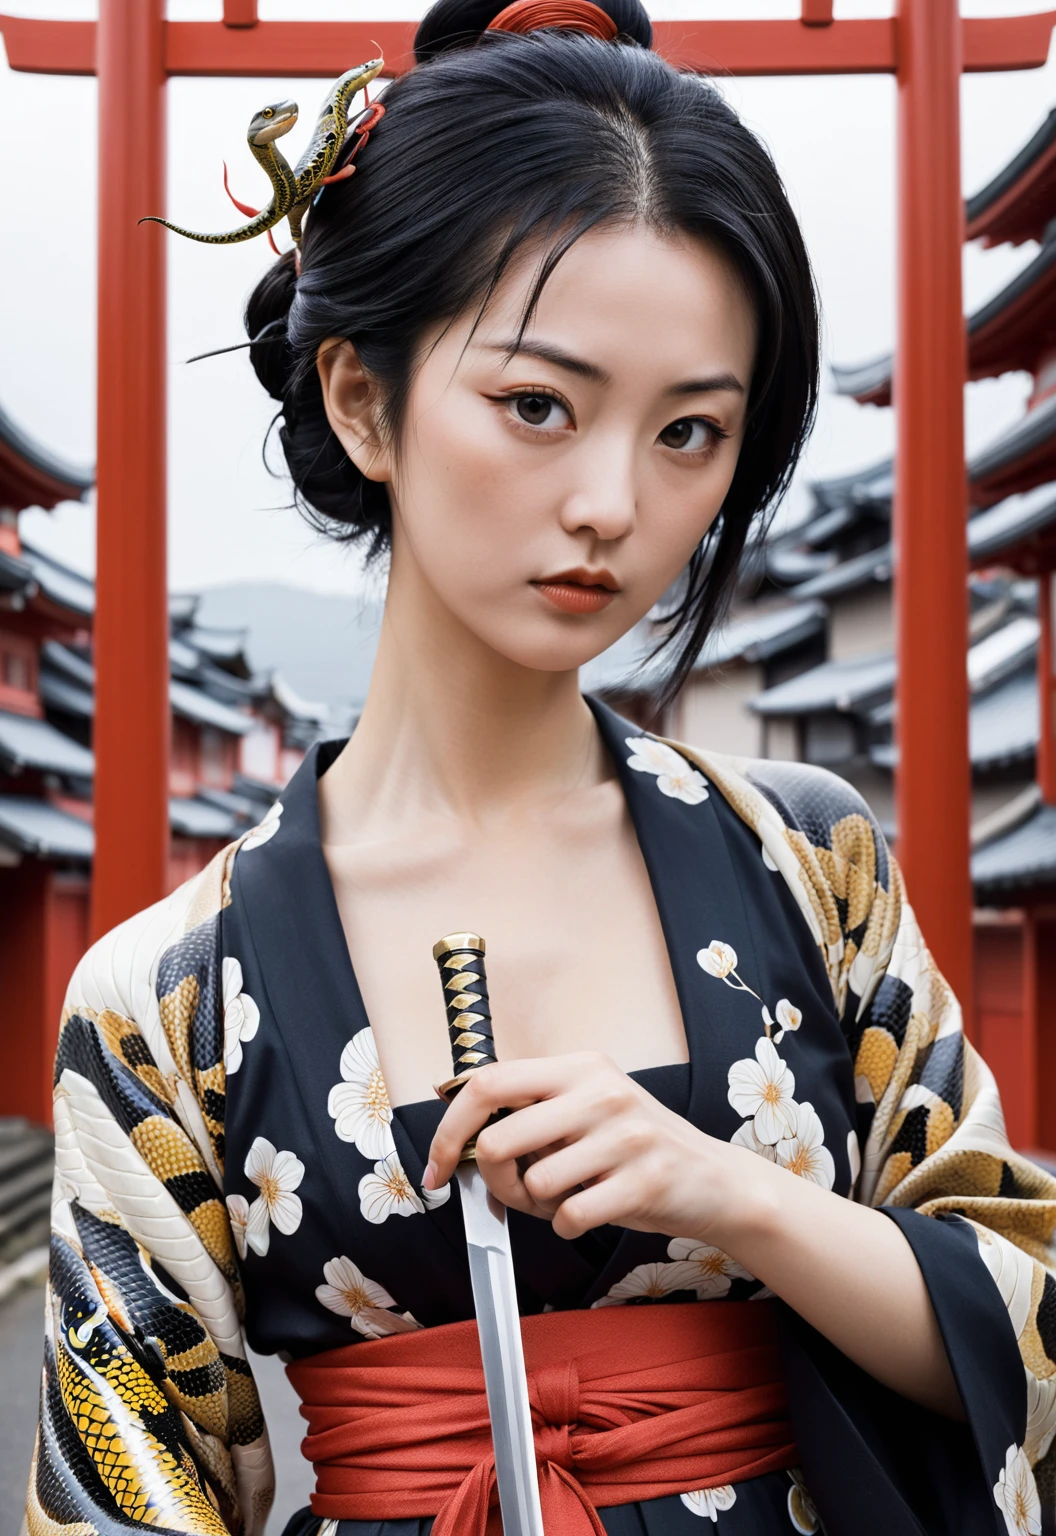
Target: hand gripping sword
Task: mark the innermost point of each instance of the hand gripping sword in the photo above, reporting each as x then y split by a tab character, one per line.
460	957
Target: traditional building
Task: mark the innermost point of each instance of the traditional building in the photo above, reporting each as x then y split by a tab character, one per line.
236	738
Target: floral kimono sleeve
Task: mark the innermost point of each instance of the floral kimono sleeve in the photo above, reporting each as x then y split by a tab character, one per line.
936	1160
148	1411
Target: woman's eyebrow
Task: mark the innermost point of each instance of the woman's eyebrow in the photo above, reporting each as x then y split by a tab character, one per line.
712	384
550	354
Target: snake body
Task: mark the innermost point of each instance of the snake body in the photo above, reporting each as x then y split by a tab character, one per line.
328	139
292	188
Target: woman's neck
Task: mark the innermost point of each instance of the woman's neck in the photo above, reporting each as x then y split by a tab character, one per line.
451	727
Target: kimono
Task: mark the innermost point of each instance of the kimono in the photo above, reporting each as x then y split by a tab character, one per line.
229	1168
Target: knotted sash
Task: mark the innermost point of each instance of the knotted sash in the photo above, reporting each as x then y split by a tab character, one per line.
628	1403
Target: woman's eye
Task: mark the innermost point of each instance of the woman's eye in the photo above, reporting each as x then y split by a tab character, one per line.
689	434
540	411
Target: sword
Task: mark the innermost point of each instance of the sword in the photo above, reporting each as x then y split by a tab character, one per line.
460	957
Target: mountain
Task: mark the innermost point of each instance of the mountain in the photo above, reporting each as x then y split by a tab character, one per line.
322	644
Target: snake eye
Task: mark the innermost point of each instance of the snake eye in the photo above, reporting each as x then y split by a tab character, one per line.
268	112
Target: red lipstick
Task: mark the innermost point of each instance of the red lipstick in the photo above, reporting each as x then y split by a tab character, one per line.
579	590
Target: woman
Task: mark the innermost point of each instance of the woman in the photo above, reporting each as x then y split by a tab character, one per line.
553	349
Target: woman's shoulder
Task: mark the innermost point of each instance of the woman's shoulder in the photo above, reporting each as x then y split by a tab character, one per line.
121	970
820	805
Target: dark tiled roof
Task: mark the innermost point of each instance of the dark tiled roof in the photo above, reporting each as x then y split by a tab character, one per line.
196	818
1025	439
29	743
1016	223
1002	726
874	565
35	827
872	380
64	587
1011	521
835	685
1020	859
765	633
30	475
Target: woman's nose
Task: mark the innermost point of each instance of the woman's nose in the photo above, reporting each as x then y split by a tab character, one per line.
605	498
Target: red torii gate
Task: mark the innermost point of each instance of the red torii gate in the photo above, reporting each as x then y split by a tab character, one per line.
133	50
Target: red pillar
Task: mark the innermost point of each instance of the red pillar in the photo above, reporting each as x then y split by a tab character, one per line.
131	626
933	787
1046	685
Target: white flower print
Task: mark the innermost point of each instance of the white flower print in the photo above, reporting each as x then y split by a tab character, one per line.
238	1211
265	829
359	1105
707	1502
789	1018
804	1152
763	1089
431	1198
718	959
802	1510
1016	1494
387	1192
746	1137
241	1014
674	776
715	1269
326	1528
350	1294
276	1175
650	1280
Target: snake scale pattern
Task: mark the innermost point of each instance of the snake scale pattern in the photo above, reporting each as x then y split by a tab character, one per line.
292	189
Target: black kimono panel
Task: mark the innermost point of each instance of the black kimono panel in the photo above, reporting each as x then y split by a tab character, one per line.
352	1246
228	1166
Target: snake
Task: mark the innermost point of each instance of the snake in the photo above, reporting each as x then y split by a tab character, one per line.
110	1390
292	188
265	127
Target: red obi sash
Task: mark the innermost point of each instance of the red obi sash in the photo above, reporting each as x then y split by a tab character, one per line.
628	1403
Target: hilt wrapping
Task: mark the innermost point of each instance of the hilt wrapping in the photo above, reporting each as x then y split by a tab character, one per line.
460	960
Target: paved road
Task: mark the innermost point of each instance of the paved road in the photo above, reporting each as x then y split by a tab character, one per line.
20	1352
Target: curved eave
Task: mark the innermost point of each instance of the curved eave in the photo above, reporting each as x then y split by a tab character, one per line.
1017	204
1008	332
1022	458
30	476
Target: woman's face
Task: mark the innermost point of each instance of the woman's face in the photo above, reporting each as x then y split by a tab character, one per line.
547	493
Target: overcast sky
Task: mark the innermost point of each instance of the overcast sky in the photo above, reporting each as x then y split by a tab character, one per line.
833	140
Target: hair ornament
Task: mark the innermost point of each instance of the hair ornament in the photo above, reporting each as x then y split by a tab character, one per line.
294	188
525	16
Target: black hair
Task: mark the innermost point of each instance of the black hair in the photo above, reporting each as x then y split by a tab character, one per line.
494	141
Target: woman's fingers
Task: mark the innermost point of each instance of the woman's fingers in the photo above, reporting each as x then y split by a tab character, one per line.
516	1085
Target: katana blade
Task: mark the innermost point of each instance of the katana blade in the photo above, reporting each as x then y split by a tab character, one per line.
505	1380
460	957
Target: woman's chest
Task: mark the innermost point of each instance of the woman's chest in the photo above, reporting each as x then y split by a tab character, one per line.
361	1246
561	908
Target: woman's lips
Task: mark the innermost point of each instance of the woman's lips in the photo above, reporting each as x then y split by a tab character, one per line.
574	597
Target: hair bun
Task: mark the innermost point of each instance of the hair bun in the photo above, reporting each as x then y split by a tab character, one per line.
267	312
451	24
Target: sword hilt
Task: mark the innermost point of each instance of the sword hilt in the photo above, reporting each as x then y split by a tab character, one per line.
460	961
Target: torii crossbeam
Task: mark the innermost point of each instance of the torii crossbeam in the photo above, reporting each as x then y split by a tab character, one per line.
133	50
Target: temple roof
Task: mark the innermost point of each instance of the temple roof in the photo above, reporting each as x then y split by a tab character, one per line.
29	743
31	476
1010	331
1021	858
1002	726
1022	457
843	686
1017	204
36	827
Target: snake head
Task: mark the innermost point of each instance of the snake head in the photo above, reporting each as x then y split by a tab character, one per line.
270	123
80	1320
